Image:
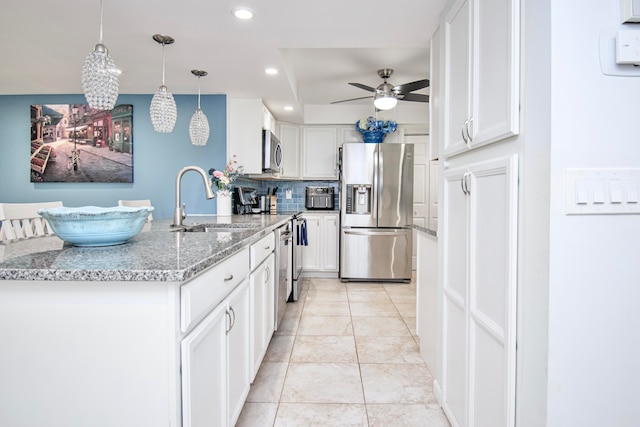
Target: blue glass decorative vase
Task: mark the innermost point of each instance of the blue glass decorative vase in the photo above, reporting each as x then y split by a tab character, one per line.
373	136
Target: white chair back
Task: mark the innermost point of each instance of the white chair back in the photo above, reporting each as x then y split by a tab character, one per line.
21	220
136	204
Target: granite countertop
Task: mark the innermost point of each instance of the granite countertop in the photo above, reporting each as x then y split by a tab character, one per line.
425	230
156	254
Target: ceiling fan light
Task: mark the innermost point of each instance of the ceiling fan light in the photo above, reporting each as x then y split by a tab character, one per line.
385	101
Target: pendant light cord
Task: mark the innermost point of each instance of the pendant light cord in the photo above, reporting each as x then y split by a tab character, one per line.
162	64
100	21
198	92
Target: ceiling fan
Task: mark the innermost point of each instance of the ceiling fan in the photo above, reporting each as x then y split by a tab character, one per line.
386	95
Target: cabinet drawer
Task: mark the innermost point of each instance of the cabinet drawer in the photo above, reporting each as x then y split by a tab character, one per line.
200	295
260	250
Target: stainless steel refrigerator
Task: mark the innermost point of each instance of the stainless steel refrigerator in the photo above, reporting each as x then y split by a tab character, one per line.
376	211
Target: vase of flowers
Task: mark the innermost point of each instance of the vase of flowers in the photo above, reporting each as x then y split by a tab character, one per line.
373	130
223	184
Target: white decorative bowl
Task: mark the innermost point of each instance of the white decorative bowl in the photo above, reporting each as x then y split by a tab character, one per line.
96	226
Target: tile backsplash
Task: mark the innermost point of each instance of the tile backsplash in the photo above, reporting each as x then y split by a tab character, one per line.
298	188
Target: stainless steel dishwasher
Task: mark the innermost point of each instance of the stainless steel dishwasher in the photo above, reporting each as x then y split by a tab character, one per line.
283	277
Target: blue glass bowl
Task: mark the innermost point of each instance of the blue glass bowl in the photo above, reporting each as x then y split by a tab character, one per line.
96	226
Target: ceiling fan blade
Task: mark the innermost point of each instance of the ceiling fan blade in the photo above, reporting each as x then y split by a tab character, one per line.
352	99
416	97
410	87
361	86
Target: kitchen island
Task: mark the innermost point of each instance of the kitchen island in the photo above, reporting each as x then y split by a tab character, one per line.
144	333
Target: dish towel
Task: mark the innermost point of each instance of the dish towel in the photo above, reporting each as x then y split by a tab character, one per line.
302	234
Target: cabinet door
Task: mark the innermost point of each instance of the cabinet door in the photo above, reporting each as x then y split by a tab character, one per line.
457	61
496	92
204	363
290	142
262	311
479	291
455	234
238	351
329	234
245	118
312	252
320	152
492	292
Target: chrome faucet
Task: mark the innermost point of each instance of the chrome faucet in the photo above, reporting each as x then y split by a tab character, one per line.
179	214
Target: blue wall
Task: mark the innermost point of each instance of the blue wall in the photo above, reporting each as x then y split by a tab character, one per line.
157	156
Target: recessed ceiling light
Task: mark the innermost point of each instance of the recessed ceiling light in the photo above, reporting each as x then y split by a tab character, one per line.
288	108
242	13
271	71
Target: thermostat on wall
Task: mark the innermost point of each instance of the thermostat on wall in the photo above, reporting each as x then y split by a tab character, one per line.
630	10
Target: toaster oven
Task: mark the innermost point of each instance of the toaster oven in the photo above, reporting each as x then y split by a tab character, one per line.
319	198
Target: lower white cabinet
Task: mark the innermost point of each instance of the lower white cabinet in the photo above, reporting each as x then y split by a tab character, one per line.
479	249
262	310
216	363
204	366
321	254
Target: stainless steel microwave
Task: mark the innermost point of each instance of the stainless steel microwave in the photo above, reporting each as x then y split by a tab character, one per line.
271	152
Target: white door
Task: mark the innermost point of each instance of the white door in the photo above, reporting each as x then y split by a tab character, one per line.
204	371
239	350
290	142
492	189
330	242
479	291
312	252
262	311
320	152
457	60
421	185
454	227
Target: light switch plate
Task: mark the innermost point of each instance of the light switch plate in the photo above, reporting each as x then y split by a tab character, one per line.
602	191
628	47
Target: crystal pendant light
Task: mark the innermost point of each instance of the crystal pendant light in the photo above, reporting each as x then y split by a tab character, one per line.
199	125
100	76
163	106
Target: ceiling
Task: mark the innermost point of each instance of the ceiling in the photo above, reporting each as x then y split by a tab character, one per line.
317	46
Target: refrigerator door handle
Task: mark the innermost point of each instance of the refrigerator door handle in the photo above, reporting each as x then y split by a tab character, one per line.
378	232
376	185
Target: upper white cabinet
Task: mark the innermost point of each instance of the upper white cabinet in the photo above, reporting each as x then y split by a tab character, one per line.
290	142
320	152
481	73
245	120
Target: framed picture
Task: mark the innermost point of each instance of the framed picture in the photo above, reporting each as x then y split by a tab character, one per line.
74	143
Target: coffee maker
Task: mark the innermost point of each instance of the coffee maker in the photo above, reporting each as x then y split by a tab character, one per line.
246	200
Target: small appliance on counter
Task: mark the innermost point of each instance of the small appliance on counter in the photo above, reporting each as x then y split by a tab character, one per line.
319	198
246	200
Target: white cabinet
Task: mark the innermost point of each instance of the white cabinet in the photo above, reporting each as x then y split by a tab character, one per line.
238	351
262	295
290	142
216	359
321	254
245	120
434	187
204	365
320	152
481	73
479	249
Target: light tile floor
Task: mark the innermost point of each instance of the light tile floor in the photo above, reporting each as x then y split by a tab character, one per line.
346	354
